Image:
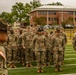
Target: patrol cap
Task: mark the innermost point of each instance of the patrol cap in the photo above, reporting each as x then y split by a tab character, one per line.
40	30
3	25
74	34
61	28
57	29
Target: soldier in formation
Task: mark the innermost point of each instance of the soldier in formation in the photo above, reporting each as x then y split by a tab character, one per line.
56	45
36	44
62	33
3	39
39	47
74	41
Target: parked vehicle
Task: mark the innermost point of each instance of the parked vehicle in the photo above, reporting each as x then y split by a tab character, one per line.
69	26
47	26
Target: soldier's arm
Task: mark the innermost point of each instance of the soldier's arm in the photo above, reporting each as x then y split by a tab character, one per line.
33	43
52	44
74	43
63	43
65	38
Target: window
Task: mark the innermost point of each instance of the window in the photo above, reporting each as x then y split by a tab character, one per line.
75	12
55	19
52	12
49	12
39	12
70	12
49	18
75	19
43	12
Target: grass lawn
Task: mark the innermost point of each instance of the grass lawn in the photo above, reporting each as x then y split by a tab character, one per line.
47	71
70	69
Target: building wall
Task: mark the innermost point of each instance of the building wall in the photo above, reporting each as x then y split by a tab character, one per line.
53	16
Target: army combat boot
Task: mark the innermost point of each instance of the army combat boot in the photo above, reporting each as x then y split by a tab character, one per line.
12	65
62	63
47	64
40	71
28	65
60	69
56	69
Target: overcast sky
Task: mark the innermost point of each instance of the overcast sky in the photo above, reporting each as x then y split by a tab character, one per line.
6	5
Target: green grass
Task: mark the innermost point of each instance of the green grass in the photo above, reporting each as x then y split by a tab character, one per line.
73	61
69	53
47	71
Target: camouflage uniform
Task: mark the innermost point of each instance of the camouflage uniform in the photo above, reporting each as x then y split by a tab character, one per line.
51	53
39	46
33	33
47	53
3	60
12	47
2	49
57	44
65	38
74	41
27	42
20	51
3	39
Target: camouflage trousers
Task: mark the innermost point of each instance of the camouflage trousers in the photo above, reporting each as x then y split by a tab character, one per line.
12	54
40	58
48	56
63	54
2	62
20	54
58	57
2	57
28	55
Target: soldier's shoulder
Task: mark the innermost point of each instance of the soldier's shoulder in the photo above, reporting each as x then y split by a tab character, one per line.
74	37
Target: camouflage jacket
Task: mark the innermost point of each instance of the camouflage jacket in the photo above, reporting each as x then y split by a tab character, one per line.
39	43
74	42
57	43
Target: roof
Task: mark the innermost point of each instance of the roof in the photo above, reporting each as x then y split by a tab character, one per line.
51	7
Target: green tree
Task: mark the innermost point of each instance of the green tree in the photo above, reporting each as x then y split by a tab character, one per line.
57	3
54	23
40	20
29	7
70	20
19	12
7	17
4	15
64	23
34	4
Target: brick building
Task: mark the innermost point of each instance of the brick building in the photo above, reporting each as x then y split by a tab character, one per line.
54	14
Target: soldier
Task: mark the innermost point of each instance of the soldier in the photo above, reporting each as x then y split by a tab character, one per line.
57	44
20	51
47	53
27	43
50	36
3	38
74	41
63	34
12	47
33	33
39	47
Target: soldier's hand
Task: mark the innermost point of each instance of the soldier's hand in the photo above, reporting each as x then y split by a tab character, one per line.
51	51
23	46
